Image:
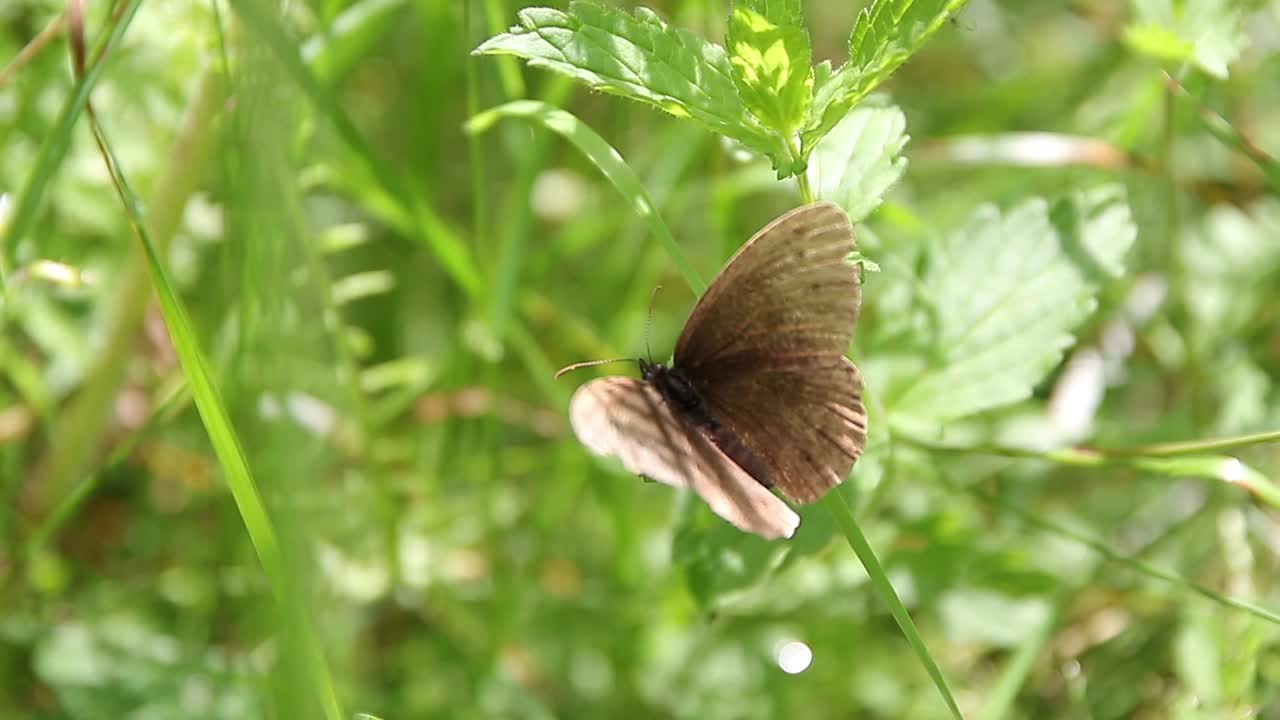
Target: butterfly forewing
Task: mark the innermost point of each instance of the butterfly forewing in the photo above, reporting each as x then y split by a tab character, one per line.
765	347
629	419
787	293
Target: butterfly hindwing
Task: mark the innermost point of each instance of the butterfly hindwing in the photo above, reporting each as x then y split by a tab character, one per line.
629	419
809	445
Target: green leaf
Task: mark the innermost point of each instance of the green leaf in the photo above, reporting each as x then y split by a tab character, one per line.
886	34
641	58
770	54
1006	293
1207	33
860	159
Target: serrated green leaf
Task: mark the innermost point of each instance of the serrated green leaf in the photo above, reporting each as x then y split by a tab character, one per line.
770	55
1006	293
860	159
886	34
639	57
1207	33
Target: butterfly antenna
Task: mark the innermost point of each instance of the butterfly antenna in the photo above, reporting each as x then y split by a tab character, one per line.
587	364
648	321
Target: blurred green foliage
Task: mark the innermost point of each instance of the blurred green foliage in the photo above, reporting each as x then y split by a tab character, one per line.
1071	346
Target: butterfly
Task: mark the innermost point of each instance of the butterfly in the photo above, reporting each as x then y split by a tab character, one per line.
759	394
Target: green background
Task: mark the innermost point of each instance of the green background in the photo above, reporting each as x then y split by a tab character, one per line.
381	299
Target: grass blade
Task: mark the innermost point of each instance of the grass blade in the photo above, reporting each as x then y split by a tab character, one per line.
857	541
428	228
54	149
604	157
299	633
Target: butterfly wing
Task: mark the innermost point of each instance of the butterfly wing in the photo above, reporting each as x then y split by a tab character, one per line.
787	293
628	419
802	426
765	349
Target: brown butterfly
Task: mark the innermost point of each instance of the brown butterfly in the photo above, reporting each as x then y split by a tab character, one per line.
760	394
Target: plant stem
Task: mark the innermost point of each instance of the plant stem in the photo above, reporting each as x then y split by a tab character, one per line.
857	541
1177	458
1104	456
802	178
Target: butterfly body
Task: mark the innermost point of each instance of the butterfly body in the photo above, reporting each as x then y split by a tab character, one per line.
760	394
682	396
679	391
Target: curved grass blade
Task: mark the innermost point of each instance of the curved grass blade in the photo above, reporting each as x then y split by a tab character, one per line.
55	147
427	226
604	157
353	33
1226	133
1176	459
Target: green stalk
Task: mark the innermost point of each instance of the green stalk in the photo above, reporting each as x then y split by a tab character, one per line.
1176	459
879	580
1130	562
802	178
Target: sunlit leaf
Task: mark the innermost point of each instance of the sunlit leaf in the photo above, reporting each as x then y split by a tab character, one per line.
1205	32
860	159
770	55
639	57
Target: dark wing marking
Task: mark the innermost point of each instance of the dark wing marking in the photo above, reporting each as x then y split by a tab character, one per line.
628	419
803	424
787	294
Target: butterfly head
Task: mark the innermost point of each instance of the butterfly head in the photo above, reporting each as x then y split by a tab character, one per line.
655	372
648	368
